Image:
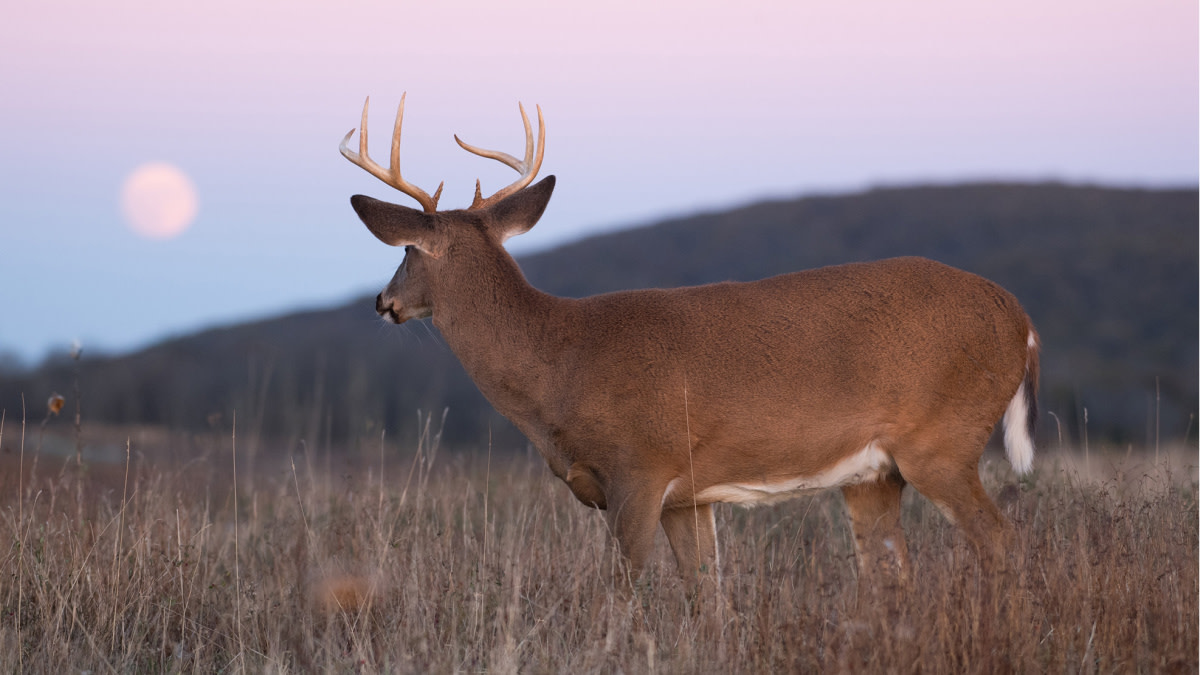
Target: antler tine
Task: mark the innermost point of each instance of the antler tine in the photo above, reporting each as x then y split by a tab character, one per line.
528	168
392	175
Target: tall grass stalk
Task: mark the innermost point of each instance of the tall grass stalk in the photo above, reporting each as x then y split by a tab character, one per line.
20	525
117	590
237	570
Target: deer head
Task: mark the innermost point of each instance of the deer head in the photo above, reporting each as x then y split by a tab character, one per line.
428	235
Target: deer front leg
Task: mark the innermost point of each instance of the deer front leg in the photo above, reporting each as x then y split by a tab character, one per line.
633	517
692	533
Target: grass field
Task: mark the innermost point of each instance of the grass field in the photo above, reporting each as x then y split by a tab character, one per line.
414	559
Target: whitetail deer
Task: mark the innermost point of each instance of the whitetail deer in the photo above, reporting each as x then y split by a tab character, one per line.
654	404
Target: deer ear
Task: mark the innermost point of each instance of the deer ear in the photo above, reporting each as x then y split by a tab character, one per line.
397	225
518	213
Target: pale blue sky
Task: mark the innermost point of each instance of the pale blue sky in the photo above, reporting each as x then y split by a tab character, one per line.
651	110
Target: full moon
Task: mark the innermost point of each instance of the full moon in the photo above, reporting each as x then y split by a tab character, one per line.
159	201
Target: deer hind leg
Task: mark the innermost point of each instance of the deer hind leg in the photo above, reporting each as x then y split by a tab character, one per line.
692	533
950	479
879	543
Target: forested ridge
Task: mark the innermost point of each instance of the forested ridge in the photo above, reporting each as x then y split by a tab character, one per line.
1109	276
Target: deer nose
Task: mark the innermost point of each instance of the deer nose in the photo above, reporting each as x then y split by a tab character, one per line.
379	307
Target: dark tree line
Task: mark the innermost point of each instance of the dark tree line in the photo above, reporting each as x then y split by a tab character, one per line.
1109	276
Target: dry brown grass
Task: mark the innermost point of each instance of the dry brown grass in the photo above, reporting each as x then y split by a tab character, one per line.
453	565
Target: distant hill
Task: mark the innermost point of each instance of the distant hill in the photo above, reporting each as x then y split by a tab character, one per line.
1109	276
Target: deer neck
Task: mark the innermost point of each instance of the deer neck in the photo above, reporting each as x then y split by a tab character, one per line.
506	334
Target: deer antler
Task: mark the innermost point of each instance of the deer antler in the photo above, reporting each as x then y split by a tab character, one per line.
392	175
528	167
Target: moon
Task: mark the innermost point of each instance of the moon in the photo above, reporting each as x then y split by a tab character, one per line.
159	201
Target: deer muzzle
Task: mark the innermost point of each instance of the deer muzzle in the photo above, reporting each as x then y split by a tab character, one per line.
385	310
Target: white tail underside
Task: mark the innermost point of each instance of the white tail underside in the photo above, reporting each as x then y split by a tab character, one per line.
1017	443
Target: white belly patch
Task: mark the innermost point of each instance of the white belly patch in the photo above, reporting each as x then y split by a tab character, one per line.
865	466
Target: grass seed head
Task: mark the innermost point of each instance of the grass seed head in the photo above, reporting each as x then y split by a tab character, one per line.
55	404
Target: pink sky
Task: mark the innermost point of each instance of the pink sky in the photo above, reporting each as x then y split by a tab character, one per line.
651	110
